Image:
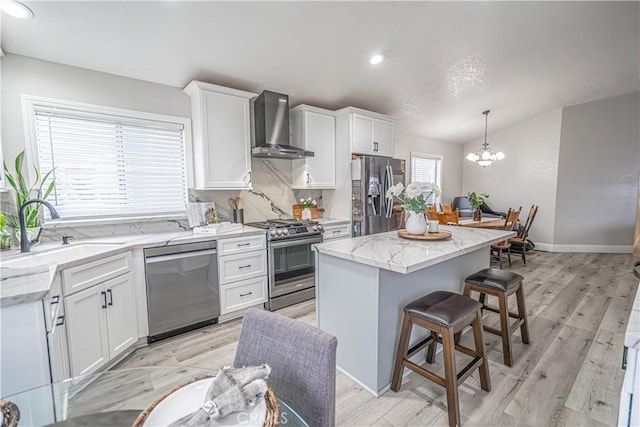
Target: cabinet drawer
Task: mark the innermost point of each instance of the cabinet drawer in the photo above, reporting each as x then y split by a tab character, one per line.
241	244
340	231
75	279
243	294
242	266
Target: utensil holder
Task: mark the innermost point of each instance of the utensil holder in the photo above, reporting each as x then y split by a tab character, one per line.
238	216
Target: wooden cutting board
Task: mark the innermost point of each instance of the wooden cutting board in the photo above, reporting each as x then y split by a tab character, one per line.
440	235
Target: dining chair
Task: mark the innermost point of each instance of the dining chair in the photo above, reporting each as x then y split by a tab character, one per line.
446	208
302	360
432	215
505	245
519	243
449	217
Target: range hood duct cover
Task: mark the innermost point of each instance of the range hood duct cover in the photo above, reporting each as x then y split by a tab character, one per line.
271	128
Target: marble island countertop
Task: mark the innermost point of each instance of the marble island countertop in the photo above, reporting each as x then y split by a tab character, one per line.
28	277
392	252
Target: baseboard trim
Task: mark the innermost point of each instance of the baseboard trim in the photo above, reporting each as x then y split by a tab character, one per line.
600	249
357	381
545	247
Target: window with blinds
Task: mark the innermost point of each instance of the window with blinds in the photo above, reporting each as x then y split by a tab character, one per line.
426	169
110	165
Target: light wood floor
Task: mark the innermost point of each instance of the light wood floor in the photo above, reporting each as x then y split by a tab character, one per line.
569	375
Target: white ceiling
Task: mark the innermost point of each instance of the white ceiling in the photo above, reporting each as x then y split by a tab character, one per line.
446	61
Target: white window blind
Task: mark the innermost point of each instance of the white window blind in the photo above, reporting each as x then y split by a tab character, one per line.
107	165
426	170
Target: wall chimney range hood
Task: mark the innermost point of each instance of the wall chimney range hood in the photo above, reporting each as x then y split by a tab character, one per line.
271	128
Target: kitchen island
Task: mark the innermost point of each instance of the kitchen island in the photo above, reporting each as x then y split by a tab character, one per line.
362	285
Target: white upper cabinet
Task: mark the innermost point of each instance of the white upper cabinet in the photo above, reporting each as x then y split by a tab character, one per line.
221	136
371	133
314	129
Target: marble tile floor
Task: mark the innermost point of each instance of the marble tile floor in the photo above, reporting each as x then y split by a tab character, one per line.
570	374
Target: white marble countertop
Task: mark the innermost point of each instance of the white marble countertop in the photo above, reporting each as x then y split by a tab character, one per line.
391	252
28	277
632	333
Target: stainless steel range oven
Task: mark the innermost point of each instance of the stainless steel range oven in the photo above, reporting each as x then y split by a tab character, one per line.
291	260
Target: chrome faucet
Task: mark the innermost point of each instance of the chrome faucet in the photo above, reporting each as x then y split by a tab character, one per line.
25	244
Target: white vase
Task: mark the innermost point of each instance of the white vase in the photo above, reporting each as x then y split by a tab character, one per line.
306	214
416	223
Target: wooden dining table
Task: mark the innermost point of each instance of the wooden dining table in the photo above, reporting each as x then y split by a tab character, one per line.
497	223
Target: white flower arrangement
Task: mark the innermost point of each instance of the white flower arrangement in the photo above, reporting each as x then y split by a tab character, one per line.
412	197
308	202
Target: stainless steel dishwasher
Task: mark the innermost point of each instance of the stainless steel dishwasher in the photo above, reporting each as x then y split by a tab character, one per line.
182	288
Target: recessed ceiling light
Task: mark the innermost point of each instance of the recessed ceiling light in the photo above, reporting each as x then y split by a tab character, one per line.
16	9
376	59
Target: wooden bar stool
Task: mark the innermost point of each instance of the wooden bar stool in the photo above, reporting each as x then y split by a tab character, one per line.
444	314
501	284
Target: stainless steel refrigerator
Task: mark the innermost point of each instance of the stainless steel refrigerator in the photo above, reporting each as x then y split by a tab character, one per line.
371	178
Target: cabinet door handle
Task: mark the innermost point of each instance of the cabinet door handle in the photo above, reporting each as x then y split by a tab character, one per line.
55	299
60	321
247	294
110	296
104	295
336	232
243	244
245	266
308	178
249	173
624	357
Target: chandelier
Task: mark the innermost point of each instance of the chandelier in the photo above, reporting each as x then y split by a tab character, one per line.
485	155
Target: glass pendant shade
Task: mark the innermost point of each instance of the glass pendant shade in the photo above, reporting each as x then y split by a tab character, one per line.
485	155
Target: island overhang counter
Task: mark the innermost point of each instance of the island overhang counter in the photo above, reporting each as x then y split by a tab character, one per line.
362	285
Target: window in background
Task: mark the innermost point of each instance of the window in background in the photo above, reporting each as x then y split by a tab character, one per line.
426	169
111	164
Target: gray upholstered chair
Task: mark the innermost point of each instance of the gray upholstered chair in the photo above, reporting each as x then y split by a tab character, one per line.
302	360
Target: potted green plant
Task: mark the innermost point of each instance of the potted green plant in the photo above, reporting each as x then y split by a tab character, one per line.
24	192
5	234
477	200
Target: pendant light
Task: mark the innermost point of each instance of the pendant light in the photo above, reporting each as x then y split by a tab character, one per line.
485	155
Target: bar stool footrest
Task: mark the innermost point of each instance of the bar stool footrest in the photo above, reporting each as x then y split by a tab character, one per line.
469	369
497	311
418	346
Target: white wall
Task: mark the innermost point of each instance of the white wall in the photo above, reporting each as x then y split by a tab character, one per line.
528	175
598	174
30	76
451	164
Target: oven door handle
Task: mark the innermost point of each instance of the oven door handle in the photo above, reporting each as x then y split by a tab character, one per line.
291	242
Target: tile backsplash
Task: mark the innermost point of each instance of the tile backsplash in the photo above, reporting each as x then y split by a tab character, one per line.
271	196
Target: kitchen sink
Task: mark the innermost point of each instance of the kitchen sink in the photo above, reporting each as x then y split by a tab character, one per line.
54	254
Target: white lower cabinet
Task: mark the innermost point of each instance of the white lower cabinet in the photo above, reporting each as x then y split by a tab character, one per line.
87	330
243	294
242	274
338	231
121	315
242	266
101	323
